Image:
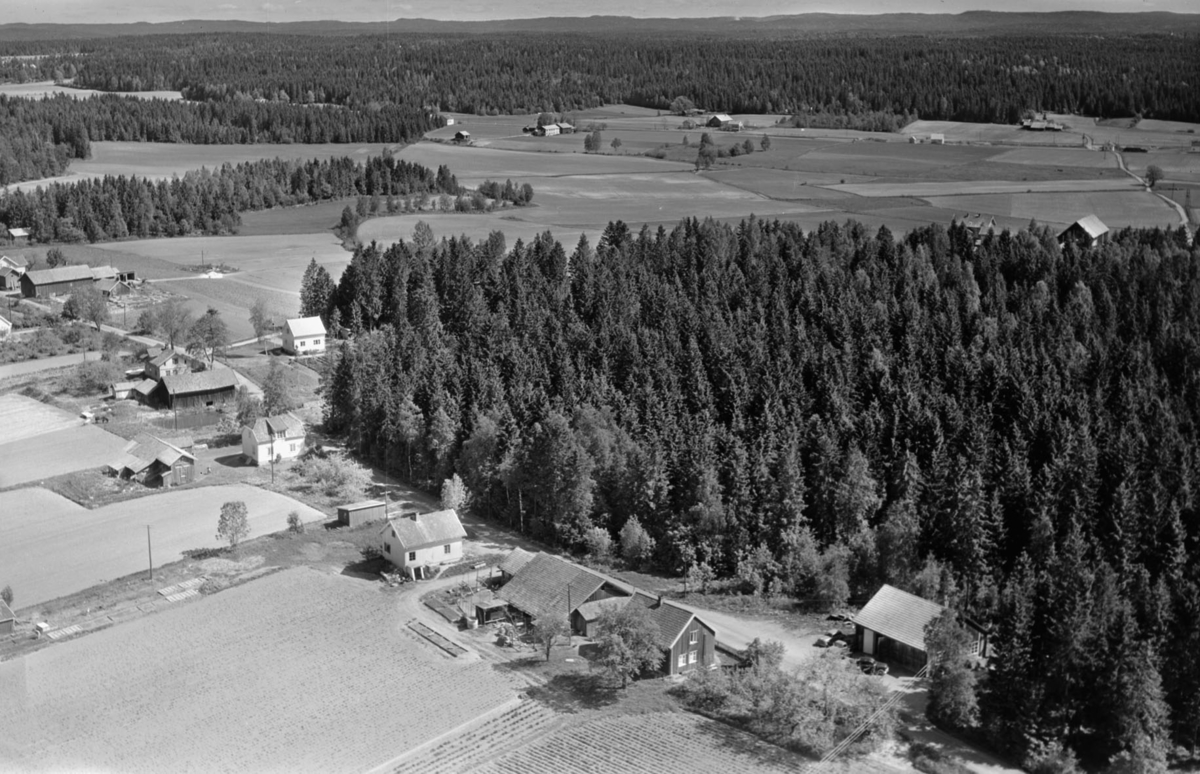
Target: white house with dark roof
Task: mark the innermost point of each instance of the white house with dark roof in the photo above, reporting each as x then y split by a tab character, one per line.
278	437
418	542
304	336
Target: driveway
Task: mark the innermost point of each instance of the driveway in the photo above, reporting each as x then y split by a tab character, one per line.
45	364
50	547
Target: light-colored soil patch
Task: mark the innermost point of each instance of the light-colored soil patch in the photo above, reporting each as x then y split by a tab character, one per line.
22	417
1117	210
1058	157
926	190
780	184
39	89
57	452
45	558
664	742
299	671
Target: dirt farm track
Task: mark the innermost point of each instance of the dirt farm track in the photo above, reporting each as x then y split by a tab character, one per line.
299	671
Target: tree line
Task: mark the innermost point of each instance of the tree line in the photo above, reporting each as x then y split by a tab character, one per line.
1009	427
209	201
978	78
39	137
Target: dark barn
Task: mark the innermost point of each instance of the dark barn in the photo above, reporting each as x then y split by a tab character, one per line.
206	389
55	282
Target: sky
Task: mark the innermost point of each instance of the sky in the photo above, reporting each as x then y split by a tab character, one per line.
114	11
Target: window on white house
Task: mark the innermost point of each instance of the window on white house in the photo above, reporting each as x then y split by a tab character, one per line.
692	657
694	637
412	556
682	660
446	548
316	342
387	547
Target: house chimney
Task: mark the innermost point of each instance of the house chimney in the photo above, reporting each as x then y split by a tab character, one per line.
660	600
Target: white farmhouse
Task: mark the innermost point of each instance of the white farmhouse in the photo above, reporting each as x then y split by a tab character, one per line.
304	336
279	437
417	542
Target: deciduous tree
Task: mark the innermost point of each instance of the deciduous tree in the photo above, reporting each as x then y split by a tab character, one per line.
87	304
629	642
234	523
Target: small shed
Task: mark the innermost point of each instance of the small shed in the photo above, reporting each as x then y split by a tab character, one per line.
717	120
892	627
355	514
123	390
462	136
937	139
1086	232
8	621
488	609
17	234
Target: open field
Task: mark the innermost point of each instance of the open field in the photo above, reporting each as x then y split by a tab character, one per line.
233	300
22	417
57	452
1058	157
317	665
472	165
1116	209
1176	165
39	89
50	547
664	742
925	190
111	254
308	219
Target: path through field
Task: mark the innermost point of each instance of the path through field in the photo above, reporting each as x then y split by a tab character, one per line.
45	364
50	547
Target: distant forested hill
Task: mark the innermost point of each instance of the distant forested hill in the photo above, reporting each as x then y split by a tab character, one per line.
1012	426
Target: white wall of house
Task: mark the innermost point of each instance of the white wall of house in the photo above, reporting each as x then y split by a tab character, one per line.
260	453
303	345
422	557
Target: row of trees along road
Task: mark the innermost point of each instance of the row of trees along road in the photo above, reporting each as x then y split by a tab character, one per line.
1010	427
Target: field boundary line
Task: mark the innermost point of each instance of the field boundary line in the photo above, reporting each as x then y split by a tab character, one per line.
460	728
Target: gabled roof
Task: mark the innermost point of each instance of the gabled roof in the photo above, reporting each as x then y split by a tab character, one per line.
6	613
672	620
5	322
17	262
61	274
204	381
592	610
145	386
163	357
363	504
1092	226
103	272
516	559
979	221
123	386
18	232
899	615
144	450
546	585
722	117
306	326
425	530
281	426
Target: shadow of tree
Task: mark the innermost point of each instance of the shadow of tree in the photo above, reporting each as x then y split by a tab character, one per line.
367	568
232	461
575	692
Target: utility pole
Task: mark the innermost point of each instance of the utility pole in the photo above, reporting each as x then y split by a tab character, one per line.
149	552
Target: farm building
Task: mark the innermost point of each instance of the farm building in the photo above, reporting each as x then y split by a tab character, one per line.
516	559
548	130
166	362
688	642
417	542
356	514
17	234
278	437
156	462
10	278
449	120
717	120
112	288
892	627
101	273
54	282
1084	232
5	327
143	391
565	128
461	136
549	586
979	225
8	621
20	263
937	139
304	336
123	390
207	389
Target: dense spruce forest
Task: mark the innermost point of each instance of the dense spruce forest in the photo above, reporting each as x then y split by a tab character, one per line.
39	138
1011	427
208	201
936	77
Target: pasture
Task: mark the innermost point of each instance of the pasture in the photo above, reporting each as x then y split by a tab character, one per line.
471	165
926	190
299	671
233	297
1116	209
50	547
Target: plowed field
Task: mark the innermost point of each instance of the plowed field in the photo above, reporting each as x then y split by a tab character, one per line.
299	671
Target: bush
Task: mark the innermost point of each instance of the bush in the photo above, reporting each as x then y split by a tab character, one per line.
94	376
598	543
295	523
335	476
7	595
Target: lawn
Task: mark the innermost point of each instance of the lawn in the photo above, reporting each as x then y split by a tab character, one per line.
298	671
1116	209
233	299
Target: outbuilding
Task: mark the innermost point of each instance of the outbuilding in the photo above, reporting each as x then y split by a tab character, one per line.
419	542
123	390
63	280
17	234
1085	232
717	120
891	627
462	136
357	514
156	461
304	336
206	389
8	621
